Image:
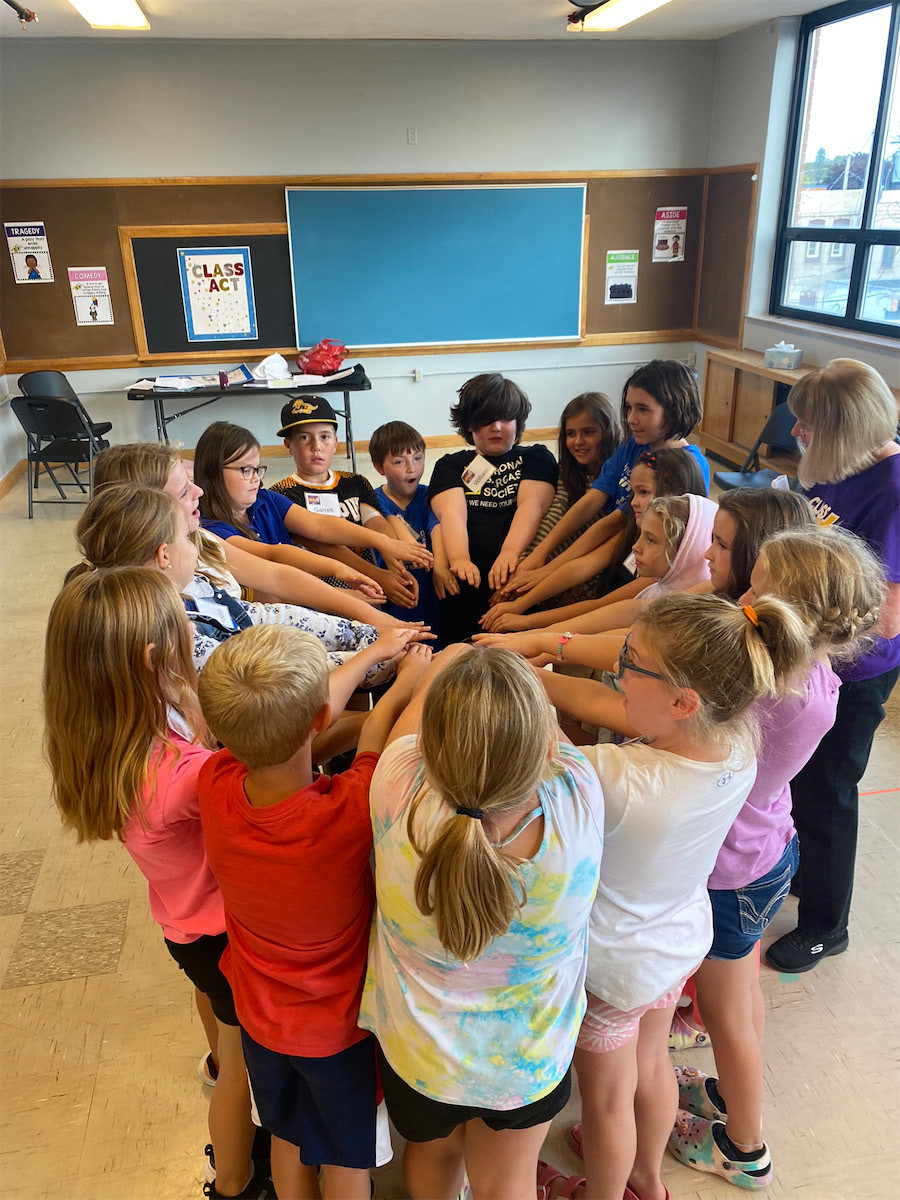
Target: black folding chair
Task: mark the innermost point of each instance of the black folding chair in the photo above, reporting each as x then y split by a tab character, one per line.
54	383
776	433
58	436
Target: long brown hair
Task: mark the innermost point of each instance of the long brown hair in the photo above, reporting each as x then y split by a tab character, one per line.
486	734
757	514
118	652
602	410
220	444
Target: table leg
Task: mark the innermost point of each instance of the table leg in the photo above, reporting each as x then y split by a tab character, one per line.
348	420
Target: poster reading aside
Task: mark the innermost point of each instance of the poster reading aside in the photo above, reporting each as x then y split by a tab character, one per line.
668	234
28	249
90	295
217	289
621	277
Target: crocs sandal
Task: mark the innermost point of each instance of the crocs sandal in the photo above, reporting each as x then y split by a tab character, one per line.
630	1195
683	1035
575	1140
694	1142
694	1094
547	1173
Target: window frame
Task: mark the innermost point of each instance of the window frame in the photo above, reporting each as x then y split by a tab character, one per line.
865	239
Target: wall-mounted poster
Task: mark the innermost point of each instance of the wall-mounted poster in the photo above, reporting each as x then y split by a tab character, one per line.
28	249
217	289
668	234
90	295
621	277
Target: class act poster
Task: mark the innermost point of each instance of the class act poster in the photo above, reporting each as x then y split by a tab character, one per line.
217	290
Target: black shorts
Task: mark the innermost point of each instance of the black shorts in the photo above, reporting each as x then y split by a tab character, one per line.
420	1119
325	1106
200	962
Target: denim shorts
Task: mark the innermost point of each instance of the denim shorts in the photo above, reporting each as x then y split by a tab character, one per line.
741	915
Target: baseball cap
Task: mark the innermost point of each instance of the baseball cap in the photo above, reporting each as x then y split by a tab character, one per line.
305	410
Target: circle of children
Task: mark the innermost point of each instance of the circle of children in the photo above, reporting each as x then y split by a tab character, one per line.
539	899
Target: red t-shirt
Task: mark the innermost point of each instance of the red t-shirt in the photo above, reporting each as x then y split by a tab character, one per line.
298	889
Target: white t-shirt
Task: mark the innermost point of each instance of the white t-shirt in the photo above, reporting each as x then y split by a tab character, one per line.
500	1032
666	818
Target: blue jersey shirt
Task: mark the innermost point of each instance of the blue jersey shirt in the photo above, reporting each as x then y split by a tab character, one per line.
421	520
615	474
265	517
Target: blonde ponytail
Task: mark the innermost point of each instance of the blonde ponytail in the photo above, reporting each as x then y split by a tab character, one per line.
730	656
487	728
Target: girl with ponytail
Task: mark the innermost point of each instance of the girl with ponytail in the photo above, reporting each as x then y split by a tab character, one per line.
691	670
487	837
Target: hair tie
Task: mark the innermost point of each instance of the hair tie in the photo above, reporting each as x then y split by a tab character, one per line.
649	458
750	613
477	814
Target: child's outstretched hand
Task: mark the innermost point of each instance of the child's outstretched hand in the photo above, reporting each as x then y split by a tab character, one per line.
392	643
370	589
503	567
402	590
466	571
524	581
415	661
445	582
396	554
492	618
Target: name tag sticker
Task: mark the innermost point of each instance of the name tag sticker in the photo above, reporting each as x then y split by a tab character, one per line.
477	473
206	606
324	503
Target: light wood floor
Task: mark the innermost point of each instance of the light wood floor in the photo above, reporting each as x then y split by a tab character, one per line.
99	1045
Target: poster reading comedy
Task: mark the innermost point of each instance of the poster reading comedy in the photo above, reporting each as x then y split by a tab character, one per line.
217	289
668	234
28	249
90	295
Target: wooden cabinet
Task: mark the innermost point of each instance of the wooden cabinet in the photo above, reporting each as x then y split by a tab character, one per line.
739	393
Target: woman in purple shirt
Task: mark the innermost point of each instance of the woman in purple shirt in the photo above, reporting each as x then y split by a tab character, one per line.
846	422
835	582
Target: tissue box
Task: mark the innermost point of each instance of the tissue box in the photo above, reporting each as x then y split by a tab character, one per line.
781	359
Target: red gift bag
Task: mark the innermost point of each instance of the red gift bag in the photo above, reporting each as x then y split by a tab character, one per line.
322	359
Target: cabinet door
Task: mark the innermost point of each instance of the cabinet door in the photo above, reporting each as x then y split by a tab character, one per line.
718	399
753	403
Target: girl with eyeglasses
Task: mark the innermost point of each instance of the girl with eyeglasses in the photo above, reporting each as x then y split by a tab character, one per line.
237	508
690	671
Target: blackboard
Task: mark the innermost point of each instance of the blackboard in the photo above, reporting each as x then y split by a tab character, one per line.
437	265
156	268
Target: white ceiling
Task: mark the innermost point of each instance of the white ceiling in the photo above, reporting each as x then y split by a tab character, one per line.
475	20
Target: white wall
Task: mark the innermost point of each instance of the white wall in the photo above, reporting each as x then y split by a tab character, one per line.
194	109
227	108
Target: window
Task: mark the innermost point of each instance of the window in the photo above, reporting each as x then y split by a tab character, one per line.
839	227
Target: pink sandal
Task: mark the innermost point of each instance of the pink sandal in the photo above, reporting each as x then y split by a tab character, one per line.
547	1173
575	1140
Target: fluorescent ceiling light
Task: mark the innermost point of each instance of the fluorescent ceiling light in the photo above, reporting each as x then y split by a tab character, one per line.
614	14
111	14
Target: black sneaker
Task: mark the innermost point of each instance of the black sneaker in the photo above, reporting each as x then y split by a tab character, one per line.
797	951
261	1153
258	1188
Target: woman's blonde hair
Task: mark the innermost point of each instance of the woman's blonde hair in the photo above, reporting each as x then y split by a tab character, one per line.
106	694
851	413
151	464
833	580
124	526
730	656
674	512
486	738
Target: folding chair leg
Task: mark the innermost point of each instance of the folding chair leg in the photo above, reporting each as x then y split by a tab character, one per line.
31	491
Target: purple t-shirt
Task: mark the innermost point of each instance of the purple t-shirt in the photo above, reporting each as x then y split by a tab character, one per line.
791	729
868	504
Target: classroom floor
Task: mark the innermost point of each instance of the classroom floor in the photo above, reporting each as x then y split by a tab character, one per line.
99	1044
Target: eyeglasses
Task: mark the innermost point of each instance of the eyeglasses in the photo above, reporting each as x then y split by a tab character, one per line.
625	664
250	472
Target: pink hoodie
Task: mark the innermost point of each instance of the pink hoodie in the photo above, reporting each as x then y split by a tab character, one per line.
690	565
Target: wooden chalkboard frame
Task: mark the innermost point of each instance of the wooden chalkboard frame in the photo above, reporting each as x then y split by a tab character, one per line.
231	205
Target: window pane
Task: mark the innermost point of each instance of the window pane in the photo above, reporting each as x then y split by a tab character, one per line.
846	68
880	296
887	198
817	278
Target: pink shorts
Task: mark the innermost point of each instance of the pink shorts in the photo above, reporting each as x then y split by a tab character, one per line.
605	1028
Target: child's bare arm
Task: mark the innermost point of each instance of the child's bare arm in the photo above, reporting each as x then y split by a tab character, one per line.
588	700
376	732
582	511
450	509
345	679
445	582
533	499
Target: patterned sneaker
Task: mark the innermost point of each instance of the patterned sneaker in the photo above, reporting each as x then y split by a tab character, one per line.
705	1146
683	1035
698	1094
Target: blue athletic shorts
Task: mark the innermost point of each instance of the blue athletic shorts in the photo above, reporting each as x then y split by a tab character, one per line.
325	1106
741	915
